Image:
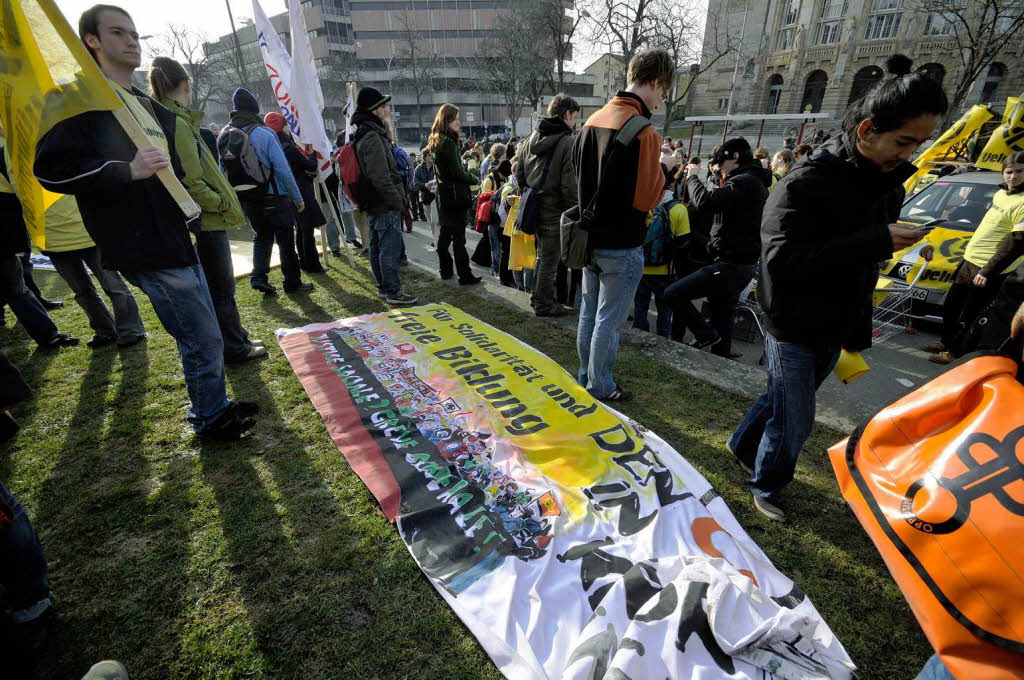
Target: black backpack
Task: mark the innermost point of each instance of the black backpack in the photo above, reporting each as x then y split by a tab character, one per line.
247	175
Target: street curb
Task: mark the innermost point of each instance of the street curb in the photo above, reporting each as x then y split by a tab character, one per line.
833	409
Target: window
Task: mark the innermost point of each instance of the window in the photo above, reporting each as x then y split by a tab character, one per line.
884	20
936	72
774	93
814	92
787	24
995	76
937	24
830	21
863	81
963	204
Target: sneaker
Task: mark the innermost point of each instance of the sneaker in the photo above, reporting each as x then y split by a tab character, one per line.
60	340
130	340
300	288
768	509
618	394
229	426
355	244
265	288
942	358
470	281
400	298
255	352
51	304
554	312
697	343
101	341
108	670
934	347
245	409
336	253
746	468
258	343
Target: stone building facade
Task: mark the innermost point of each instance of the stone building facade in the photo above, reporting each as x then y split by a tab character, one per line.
815	56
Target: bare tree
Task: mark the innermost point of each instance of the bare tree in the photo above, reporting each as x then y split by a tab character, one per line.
678	30
186	46
417	65
627	26
979	30
511	65
558	29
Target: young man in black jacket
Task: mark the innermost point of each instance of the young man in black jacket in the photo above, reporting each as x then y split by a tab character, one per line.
138	227
734	245
826	226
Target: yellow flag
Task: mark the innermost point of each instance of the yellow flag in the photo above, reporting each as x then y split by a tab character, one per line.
952	145
1008	138
46	76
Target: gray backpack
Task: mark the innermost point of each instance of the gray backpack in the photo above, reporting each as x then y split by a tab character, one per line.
247	175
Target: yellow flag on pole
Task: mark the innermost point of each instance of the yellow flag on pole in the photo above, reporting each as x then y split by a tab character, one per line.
952	145
1008	138
46	76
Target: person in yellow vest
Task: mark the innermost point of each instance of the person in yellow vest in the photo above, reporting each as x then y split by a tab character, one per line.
994	251
209	187
74	255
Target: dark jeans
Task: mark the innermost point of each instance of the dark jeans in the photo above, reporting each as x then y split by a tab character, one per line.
417	206
26	592
182	302
386	248
454	236
653	285
24	303
775	428
545	274
721	283
74	267
305	244
215	256
964	302
494	237
271	220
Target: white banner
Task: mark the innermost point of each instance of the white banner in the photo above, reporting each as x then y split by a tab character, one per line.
303	117
307	97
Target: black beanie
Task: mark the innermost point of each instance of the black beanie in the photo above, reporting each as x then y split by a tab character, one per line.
370	99
243	100
505	168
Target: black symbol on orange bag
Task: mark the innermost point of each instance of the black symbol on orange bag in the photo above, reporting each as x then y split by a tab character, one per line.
992	476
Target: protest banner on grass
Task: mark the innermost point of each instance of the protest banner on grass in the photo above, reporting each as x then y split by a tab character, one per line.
572	541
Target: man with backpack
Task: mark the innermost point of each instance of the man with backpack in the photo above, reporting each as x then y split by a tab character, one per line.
252	157
546	169
735	244
139	228
620	180
378	188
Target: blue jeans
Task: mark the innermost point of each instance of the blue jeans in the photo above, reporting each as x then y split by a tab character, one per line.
934	669
215	256
272	219
182	302
26	592
386	248
523	279
721	283
653	284
494	234
348	220
775	428
74	266
609	285
23	302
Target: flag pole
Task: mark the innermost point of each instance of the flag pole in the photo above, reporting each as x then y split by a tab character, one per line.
337	221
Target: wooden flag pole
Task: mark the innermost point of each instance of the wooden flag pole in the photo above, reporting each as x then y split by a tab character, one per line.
337	221
166	175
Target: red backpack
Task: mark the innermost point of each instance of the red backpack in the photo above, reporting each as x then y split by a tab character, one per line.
486	210
350	172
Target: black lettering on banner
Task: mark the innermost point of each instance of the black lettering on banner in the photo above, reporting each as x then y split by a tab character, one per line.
693	619
618	495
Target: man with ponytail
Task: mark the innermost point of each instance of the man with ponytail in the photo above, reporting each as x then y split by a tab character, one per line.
825	227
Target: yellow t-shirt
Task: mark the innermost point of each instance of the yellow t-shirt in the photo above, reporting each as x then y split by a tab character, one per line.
680	227
142	114
1006	215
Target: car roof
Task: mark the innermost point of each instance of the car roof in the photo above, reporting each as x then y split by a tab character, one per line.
981	177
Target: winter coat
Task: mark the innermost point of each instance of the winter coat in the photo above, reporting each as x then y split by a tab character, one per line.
136	224
448	168
377	165
823	233
552	140
269	152
304	168
736	206
421	176
206	184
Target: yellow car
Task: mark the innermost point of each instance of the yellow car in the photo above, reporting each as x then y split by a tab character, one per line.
962	200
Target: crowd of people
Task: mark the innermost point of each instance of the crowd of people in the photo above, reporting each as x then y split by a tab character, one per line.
809	223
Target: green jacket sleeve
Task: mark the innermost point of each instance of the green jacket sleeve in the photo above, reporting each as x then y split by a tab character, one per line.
373	159
188	153
449	167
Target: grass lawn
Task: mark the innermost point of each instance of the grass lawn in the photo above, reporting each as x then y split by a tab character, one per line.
268	558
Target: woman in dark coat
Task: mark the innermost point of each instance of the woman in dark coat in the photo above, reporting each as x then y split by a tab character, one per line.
444	145
304	169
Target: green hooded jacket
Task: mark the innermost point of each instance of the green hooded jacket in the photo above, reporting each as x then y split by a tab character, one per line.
205	182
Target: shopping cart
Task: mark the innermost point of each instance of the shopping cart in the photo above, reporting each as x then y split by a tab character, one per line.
894	301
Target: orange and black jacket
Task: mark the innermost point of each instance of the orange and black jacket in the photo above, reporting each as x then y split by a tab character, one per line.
634	183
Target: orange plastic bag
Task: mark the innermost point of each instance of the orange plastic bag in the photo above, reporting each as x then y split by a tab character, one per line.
937	481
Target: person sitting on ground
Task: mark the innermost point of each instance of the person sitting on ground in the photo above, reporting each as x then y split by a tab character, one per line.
815	284
734	245
994	251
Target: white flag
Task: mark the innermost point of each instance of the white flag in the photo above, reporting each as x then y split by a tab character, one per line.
307	97
286	82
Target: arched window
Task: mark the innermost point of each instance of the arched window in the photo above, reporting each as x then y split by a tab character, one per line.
774	93
748	70
934	71
863	81
996	71
814	92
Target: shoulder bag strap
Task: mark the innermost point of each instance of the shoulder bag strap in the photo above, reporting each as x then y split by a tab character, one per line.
625	136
